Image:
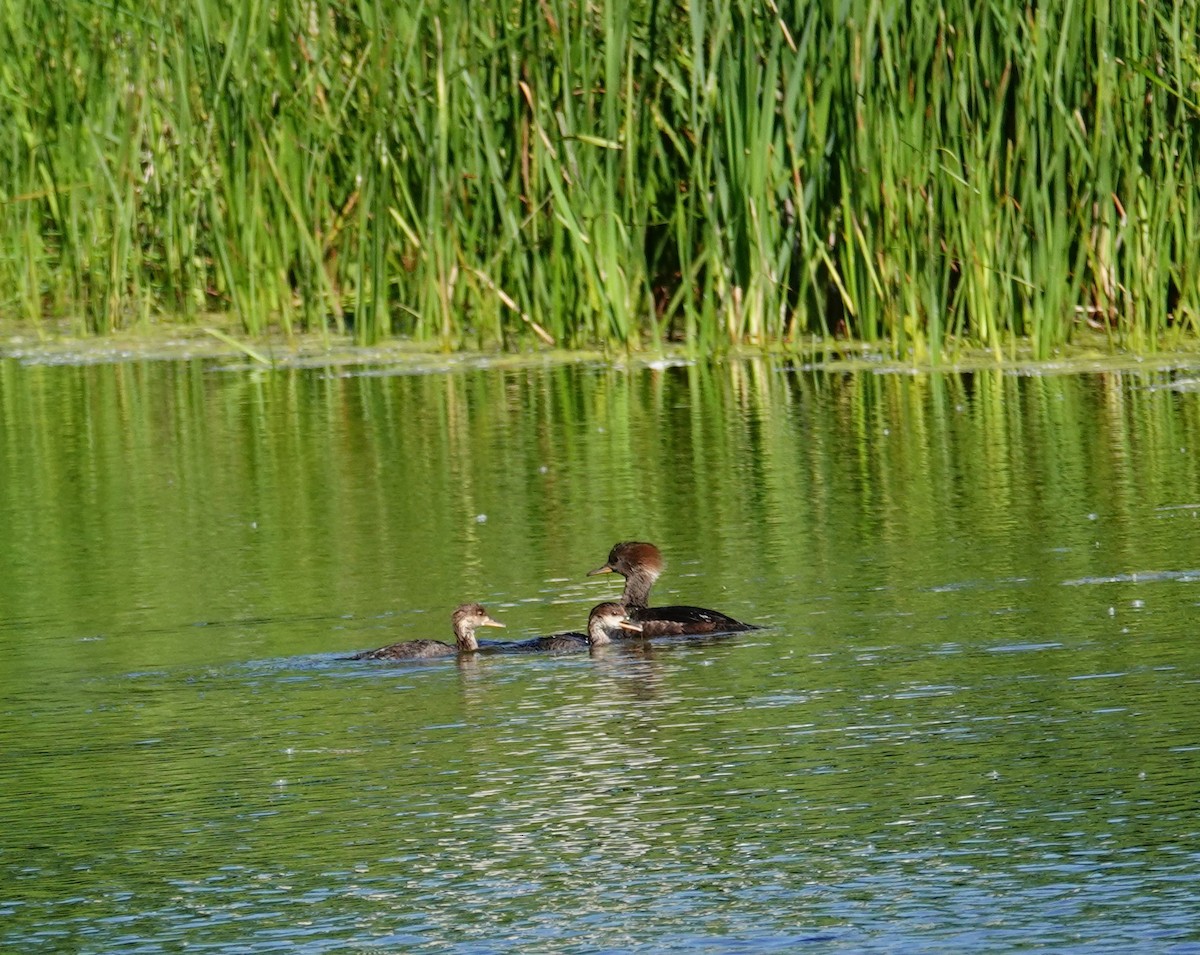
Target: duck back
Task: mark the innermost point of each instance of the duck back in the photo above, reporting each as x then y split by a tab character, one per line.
663	621
409	650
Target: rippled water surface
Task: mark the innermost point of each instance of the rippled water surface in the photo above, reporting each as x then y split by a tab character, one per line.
970	722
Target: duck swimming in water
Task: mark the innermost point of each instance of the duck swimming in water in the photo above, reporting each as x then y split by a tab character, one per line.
465	620
606	622
641	564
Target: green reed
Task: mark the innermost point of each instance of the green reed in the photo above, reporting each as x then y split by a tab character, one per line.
914	175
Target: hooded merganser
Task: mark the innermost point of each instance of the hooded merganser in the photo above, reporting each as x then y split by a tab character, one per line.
640	564
465	620
605	623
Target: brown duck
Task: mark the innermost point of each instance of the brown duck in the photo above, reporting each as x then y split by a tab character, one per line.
607	622
465	620
641	564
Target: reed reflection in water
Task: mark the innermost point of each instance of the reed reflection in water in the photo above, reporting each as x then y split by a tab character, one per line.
970	722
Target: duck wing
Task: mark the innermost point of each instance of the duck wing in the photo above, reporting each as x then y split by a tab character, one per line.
408	650
555	643
683	619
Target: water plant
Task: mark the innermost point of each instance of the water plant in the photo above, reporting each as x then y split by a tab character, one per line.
714	172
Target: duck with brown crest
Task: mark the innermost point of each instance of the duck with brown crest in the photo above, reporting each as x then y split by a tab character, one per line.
607	622
465	620
641	564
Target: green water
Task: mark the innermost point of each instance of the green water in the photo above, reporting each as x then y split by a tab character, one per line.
970	722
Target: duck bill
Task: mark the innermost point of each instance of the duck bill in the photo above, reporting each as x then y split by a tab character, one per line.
606	569
630	625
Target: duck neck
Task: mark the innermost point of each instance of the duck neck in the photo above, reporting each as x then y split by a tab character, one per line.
465	637
598	633
637	589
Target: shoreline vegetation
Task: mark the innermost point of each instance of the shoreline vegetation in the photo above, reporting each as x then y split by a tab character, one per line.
343	356
913	180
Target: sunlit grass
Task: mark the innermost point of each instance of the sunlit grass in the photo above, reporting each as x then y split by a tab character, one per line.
916	175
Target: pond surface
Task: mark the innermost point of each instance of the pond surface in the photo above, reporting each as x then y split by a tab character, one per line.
971	723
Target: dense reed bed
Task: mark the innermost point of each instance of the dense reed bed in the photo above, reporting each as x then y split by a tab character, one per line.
915	175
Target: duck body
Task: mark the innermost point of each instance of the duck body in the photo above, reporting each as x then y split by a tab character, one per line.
465	620
606	622
409	650
641	564
664	621
556	643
